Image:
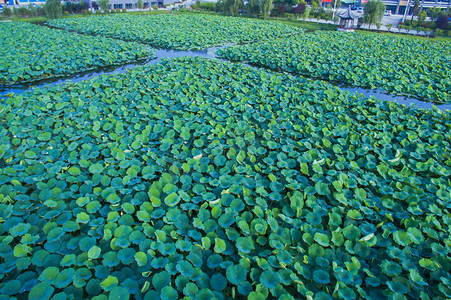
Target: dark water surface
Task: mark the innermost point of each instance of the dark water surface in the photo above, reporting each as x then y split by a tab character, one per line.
210	54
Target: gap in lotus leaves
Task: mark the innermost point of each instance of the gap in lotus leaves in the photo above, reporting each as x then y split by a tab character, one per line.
160	54
116	69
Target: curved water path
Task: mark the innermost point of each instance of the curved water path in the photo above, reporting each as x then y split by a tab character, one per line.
206	53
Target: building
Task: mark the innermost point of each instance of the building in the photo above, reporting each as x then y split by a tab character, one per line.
398	7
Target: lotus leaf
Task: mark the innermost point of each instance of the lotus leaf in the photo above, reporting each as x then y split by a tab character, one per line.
86	216
182	32
381	62
32	52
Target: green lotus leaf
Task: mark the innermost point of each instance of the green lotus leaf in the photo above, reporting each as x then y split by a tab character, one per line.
399	285
172	199
244	244
74	171
42	290
190	289
21	250
185	268
429	264
346	293
109	283
11	288
322	239
220	245
94	252
160	280
218	282
141	258
64	278
236	274
321	276
391	268
269	279
20	229
49	275
96	168
119	292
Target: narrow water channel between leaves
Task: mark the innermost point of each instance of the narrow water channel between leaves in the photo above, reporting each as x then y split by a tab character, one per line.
206	53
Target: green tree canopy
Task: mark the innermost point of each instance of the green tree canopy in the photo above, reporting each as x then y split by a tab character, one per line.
104	4
266	6
374	11
52	8
140	4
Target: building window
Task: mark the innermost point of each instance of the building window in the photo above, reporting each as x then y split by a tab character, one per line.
128	5
117	6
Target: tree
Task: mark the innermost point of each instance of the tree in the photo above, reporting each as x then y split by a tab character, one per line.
52	8
422	16
7	12
415	9
315	5
140	4
442	22
374	11
266	7
253	7
435	12
300	8
105	5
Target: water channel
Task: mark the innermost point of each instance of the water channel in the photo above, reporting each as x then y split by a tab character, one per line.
209	53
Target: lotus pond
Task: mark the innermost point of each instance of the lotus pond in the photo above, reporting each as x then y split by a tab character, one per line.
181	32
198	178
395	64
31	52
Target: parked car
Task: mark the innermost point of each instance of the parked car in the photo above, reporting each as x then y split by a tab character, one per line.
360	10
1	9
387	13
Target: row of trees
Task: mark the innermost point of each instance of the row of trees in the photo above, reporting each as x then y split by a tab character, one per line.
253	7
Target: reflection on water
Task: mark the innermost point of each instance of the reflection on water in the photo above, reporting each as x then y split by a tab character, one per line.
207	53
382	95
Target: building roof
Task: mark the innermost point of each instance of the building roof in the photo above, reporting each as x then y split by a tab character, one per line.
349	14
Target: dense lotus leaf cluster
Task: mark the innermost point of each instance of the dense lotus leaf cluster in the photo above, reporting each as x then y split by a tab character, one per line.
211	180
396	64
30	52
181	32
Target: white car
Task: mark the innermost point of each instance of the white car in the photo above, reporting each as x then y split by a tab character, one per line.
387	13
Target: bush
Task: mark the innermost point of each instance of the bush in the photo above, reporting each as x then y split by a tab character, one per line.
7	11
154	7
439	32
98	11
208	6
124	10
89	12
65	12
52	8
83	11
442	22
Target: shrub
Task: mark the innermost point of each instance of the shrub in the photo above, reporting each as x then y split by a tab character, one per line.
124	10
98	11
7	12
83	11
208	6
89	12
300	8
52	8
154	7
442	22
65	12
439	32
